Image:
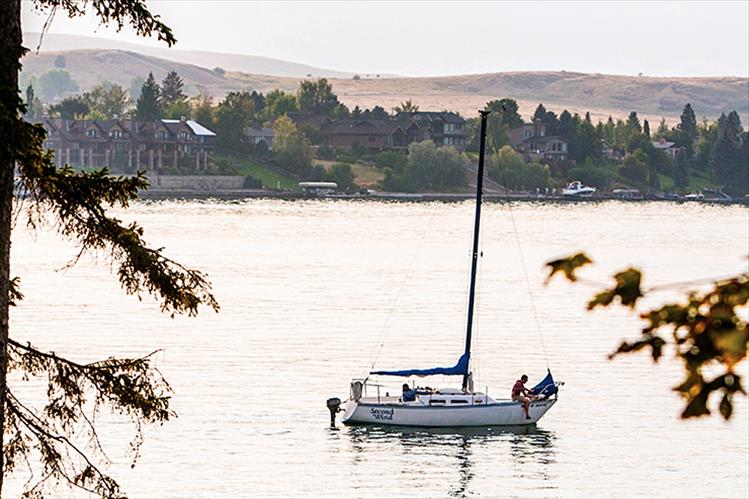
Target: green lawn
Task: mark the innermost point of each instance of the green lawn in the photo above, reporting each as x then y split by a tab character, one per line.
698	180
271	179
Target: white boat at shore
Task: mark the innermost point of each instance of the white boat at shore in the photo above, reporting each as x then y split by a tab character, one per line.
446	407
712	195
576	189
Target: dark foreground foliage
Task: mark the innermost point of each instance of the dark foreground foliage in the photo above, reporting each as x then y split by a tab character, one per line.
58	443
705	330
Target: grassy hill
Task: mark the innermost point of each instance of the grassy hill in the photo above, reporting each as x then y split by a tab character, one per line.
602	95
55	42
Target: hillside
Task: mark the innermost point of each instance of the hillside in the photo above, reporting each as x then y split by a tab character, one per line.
54	42
602	95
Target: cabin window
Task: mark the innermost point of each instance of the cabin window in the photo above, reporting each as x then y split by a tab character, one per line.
437	401
458	401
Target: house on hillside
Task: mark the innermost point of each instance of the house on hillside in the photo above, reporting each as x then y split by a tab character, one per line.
669	148
306	120
530	140
127	144
445	127
396	132
372	134
256	135
610	152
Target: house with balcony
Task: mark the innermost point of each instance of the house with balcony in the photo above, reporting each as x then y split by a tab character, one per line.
669	148
256	135
530	140
444	127
127	144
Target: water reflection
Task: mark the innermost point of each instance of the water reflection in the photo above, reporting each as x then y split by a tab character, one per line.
532	450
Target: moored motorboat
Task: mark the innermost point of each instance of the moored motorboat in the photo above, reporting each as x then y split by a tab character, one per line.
576	189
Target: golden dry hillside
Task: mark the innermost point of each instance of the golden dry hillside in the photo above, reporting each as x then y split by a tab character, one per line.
602	95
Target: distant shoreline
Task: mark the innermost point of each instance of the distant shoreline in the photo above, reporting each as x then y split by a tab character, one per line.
237	194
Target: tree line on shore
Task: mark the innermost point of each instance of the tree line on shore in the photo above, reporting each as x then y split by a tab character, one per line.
602	154
621	150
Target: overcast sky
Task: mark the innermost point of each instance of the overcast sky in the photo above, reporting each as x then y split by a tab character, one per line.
442	38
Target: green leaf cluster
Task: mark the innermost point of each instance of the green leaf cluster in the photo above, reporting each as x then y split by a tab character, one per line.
707	333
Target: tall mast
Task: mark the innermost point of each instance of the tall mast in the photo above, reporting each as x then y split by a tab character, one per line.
475	253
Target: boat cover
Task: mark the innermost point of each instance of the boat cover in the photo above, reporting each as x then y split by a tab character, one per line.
546	387
461	368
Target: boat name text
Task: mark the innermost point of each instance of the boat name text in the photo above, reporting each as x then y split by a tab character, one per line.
382	413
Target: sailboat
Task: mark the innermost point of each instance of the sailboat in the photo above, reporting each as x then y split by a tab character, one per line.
447	407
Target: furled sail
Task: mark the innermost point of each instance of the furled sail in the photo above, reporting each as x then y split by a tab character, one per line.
547	387
459	369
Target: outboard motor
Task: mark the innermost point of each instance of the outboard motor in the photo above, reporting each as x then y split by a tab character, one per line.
334	406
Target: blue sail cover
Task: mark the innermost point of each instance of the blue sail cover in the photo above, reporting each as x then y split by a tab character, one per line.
546	387
461	368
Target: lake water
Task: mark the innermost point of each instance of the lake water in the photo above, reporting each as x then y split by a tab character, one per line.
309	289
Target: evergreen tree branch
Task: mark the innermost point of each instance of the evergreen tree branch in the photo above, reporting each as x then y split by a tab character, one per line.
78	200
90	479
78	204
116	12
128	386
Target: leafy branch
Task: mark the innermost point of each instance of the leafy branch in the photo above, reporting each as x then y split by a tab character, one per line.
707	332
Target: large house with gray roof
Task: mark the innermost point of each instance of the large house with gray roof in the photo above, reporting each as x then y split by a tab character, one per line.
129	145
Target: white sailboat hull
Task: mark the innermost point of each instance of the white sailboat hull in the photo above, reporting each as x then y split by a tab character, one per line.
501	413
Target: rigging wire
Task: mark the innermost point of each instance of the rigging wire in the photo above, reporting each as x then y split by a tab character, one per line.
383	332
476	328
534	309
678	286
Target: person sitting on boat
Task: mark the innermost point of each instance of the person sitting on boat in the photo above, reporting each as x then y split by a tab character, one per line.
409	395
521	394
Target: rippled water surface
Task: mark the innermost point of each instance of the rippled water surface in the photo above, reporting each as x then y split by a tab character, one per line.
309	289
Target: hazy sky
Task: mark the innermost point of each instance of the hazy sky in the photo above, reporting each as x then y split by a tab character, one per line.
440	38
